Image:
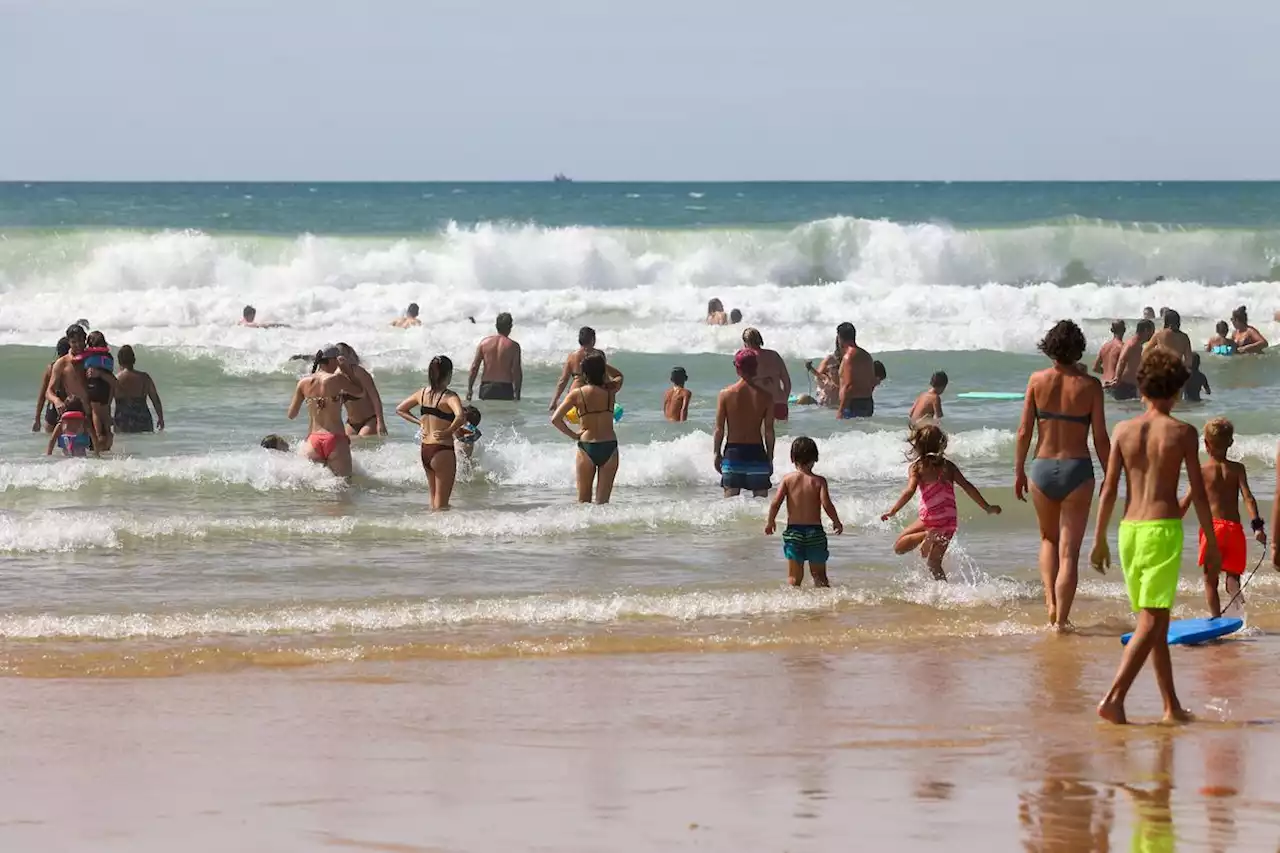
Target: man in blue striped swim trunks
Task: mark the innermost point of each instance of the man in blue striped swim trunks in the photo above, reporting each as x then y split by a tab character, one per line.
744	425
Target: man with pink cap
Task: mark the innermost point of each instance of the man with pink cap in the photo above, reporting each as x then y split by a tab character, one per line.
744	426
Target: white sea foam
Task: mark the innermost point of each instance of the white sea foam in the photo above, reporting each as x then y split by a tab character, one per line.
643	290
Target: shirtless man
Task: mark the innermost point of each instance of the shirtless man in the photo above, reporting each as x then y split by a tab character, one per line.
410	318
1172	337
67	375
857	376
248	318
744	425
771	373
573	365
1125	386
1109	356
500	357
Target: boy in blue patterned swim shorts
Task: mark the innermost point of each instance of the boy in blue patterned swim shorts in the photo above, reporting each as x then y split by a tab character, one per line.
806	494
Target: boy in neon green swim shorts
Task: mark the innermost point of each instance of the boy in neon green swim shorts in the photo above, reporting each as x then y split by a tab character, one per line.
1151	450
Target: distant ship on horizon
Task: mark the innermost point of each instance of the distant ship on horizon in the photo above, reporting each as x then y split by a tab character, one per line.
562	178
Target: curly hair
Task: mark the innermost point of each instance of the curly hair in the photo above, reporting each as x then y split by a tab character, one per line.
1162	374
1064	343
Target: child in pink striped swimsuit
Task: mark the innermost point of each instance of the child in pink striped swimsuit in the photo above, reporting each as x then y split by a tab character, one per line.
936	477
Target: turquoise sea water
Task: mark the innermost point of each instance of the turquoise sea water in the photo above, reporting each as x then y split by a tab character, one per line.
195	549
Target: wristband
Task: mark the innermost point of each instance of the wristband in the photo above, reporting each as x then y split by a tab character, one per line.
1258	525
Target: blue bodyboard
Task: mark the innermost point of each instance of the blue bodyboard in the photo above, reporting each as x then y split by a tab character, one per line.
1190	632
991	395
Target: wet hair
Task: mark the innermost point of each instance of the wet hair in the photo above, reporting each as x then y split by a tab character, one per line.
1241	315
126	357
63	347
679	376
593	368
96	339
1219	434
714	306
939	380
1222	327
877	367
804	452
752	338
586	337
735	316
1162	374
274	442
1118	328
249	312
1064	343
473	415
75	331
439	372
503	323
73	404
412	310
927	443
1145	327
348	352
1195	361
846	333
1172	320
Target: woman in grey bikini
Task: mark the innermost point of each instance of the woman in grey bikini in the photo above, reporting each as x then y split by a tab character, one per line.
364	414
1063	405
133	389
597	442
440	417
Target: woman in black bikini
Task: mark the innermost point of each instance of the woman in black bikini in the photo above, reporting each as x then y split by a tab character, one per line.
1063	405
597	442
364	414
441	416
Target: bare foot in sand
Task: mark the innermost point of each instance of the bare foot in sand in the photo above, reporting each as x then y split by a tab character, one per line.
1112	712
1177	716
1065	628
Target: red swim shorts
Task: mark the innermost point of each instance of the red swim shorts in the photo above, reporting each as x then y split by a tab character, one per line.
779	411
1231	544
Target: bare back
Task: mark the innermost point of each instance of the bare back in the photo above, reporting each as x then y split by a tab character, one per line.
772	374
1065	405
804	493
1109	360
1176	341
1222	485
595	412
745	408
1129	361
501	357
675	404
132	384
322	393
857	374
1153	448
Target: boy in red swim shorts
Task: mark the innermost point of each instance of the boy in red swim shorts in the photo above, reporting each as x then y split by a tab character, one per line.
1225	482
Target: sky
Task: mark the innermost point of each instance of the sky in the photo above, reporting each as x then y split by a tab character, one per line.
660	90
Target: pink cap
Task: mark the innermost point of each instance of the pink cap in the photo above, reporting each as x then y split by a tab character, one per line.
745	358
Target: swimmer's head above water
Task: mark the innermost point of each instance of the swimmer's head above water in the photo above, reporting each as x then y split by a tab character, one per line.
679	376
752	338
587	337
1172	320
249	313
1222	328
1144	330
412	310
735	317
938	381
1148	313
804	452
1118	328
274	442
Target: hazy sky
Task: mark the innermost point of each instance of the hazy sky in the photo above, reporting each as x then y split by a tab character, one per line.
653	90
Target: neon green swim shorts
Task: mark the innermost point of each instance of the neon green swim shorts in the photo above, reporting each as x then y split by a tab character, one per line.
1151	555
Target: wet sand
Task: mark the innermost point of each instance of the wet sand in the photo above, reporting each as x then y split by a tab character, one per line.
906	746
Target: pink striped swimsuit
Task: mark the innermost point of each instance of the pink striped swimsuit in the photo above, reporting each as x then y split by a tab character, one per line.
938	507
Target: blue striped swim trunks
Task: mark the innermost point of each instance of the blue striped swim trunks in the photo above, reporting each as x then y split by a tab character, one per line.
805	543
746	466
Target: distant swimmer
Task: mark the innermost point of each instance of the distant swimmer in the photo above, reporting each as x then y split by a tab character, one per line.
1150	452
675	403
771	372
133	389
715	313
744	426
1197	383
1221	343
323	392
597	457
1062	409
1109	355
735	317
1171	337
807	496
1225	483
410	318
1248	339
274	442
857	376
499	356
928	406
935	477
248	318
1149	313
1125	386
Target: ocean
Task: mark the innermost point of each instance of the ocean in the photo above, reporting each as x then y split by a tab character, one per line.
206	645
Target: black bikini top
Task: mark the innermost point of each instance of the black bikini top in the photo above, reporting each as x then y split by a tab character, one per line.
583	410
433	411
1041	415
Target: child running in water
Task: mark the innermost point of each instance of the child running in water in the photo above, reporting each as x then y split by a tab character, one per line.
936	477
675	403
1151	450
807	497
1225	482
